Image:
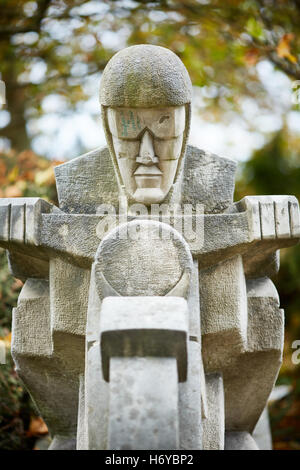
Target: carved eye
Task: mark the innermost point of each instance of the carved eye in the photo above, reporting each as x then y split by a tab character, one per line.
163	118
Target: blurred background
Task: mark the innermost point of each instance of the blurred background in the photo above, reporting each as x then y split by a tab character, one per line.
244	61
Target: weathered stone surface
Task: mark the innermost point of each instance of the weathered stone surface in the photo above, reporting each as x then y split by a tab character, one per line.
86	182
143	404
144	326
145	258
239	441
192	404
192	401
262	432
214	423
49	374
145	76
209	180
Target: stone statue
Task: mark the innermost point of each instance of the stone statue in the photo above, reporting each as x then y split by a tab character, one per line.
129	333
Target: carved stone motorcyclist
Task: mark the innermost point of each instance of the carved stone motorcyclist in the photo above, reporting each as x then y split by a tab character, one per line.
146	107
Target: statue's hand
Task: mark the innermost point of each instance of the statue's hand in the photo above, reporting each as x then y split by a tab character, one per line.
20	220
272	217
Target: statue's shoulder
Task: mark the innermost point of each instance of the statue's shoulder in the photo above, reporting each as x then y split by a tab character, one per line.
86	182
208	179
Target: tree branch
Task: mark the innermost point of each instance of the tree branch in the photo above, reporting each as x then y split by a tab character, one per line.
34	26
293	70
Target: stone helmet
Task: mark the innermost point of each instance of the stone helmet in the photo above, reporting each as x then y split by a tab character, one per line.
145	76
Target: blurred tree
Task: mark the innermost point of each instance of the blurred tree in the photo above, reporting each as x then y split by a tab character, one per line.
51	46
41	44
21	174
275	169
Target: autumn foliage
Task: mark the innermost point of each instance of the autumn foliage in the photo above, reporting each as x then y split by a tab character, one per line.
21	174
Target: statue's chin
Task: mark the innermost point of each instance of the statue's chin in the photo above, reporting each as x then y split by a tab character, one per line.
149	195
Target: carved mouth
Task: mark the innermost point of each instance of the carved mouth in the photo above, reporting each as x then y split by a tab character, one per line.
147	177
149	171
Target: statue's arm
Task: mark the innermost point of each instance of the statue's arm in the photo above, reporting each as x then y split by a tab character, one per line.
33	230
20	225
256	227
272	218
274	223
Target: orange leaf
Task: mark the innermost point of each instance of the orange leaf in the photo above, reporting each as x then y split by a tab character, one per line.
37	427
57	162
45	177
7	340
13	191
2	169
251	57
284	49
17	284
13	174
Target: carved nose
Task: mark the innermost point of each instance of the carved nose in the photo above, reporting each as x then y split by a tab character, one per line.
147	154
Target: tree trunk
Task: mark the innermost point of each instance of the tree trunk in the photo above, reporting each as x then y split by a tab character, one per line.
16	130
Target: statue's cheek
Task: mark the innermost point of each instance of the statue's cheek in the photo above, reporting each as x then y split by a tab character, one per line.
126	149
168	149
